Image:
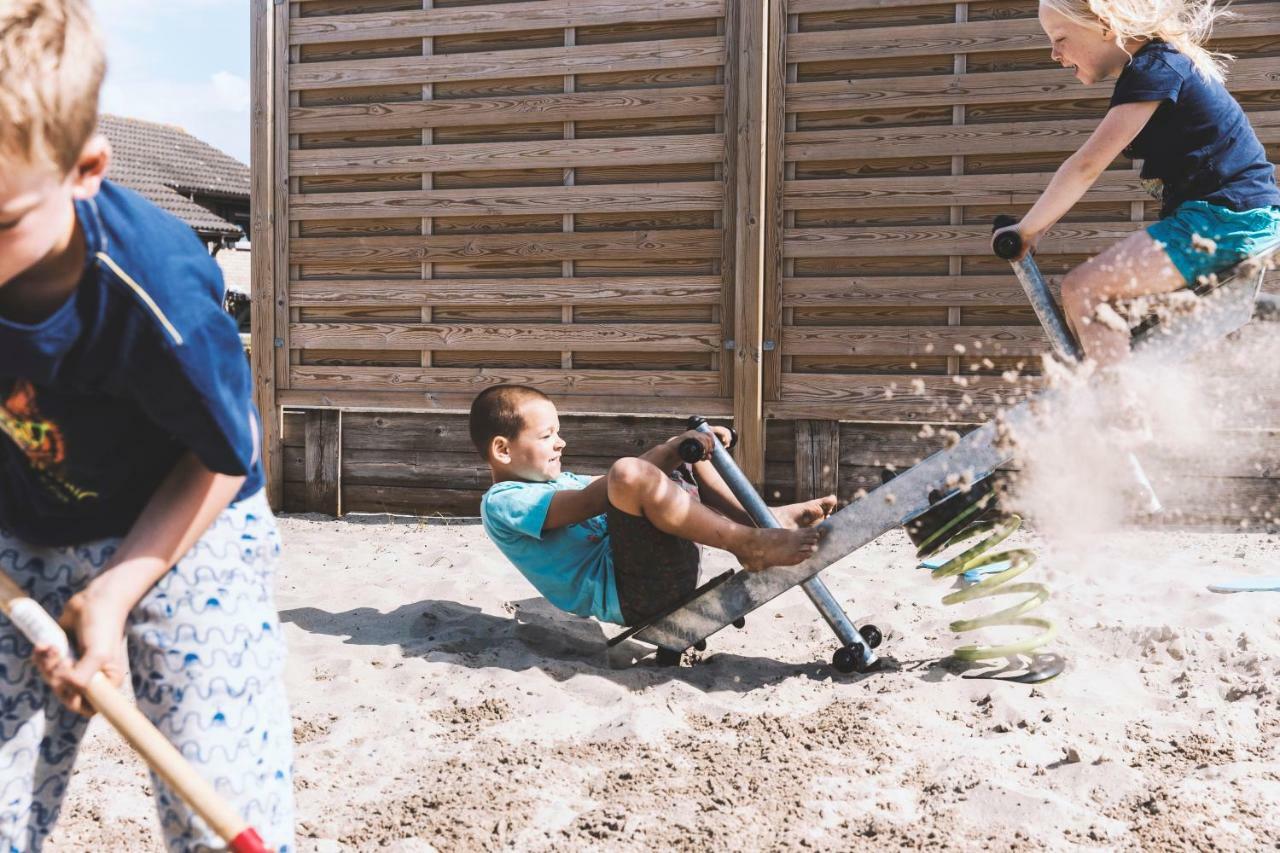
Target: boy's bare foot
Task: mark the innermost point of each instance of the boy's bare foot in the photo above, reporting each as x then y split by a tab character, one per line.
765	547
805	514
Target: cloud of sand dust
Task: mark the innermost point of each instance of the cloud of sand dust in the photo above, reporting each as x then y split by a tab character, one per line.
1188	424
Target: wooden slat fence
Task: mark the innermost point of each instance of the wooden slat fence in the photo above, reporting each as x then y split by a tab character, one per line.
775	209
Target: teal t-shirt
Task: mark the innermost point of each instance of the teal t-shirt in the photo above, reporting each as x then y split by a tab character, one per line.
571	566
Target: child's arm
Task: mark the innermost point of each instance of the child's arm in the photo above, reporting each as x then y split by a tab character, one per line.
176	516
1074	177
570	506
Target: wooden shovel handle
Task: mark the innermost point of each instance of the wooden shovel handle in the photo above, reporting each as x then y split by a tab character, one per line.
160	755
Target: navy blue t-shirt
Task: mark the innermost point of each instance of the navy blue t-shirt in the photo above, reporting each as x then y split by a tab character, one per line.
1199	142
141	364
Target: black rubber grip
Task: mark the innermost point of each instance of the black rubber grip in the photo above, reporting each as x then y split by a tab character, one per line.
690	450
1009	244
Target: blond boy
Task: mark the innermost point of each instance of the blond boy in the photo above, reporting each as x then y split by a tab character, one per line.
131	499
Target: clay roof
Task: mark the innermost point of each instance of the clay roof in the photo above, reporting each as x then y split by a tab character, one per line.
165	164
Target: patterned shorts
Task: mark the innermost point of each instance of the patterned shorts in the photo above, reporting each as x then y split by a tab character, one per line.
206	661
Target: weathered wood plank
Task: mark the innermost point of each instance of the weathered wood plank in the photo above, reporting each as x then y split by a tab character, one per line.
599	198
500	64
919	241
266	122
324	462
499	18
417	401
651	384
863	398
535	337
961	290
817	458
534	154
774	179
586	290
407	500
942	190
614	436
1024	137
631	105
871	43
1247	75
752	56
912	340
525	248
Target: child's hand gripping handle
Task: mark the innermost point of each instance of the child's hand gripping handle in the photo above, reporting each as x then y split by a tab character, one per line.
690	450
1009	244
41	630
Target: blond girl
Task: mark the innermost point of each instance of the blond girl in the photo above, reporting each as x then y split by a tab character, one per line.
1200	155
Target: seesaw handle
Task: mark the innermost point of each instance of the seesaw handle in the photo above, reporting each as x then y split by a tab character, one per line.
39	628
1009	244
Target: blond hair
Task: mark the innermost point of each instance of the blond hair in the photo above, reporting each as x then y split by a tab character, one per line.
51	68
1185	24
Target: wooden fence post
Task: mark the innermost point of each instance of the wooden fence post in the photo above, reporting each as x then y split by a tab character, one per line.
266	115
817	459
752	74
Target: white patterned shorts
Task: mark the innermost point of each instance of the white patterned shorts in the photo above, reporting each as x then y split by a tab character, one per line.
206	659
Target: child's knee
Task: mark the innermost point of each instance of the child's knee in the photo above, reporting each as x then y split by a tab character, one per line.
1077	293
630	475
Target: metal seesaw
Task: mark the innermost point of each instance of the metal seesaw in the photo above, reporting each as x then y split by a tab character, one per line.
926	498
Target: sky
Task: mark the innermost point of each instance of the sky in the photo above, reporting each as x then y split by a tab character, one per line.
183	62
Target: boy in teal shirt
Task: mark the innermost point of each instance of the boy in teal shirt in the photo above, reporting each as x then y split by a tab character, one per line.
622	547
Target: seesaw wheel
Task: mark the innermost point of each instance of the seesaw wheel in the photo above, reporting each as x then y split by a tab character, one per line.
849	659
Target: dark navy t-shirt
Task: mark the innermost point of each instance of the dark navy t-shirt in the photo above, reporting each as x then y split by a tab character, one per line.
141	364
1199	142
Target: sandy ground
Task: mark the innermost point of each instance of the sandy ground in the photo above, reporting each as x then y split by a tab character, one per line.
439	704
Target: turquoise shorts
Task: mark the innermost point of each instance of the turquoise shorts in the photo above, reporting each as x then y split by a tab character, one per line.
1202	238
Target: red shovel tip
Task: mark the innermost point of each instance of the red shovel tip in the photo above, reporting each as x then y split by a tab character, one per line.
249	842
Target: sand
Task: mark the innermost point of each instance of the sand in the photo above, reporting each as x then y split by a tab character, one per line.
438	703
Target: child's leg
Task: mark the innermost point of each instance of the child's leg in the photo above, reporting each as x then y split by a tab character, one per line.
38	735
715	493
640	488
654	571
1136	266
207	659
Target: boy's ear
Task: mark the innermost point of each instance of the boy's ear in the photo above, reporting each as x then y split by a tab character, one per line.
91	168
500	449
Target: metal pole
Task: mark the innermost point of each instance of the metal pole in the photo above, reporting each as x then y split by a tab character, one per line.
763	517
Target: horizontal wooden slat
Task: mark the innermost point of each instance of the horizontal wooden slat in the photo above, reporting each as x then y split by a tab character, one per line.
1024	137
692	243
967	290
932	240
1250	21
537	154
672	383
916	40
1247	75
417	401
498	18
502	64
863	398
411	501
686	337
639	290
932	191
913	340
586	435
599	198
800	7
678	102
